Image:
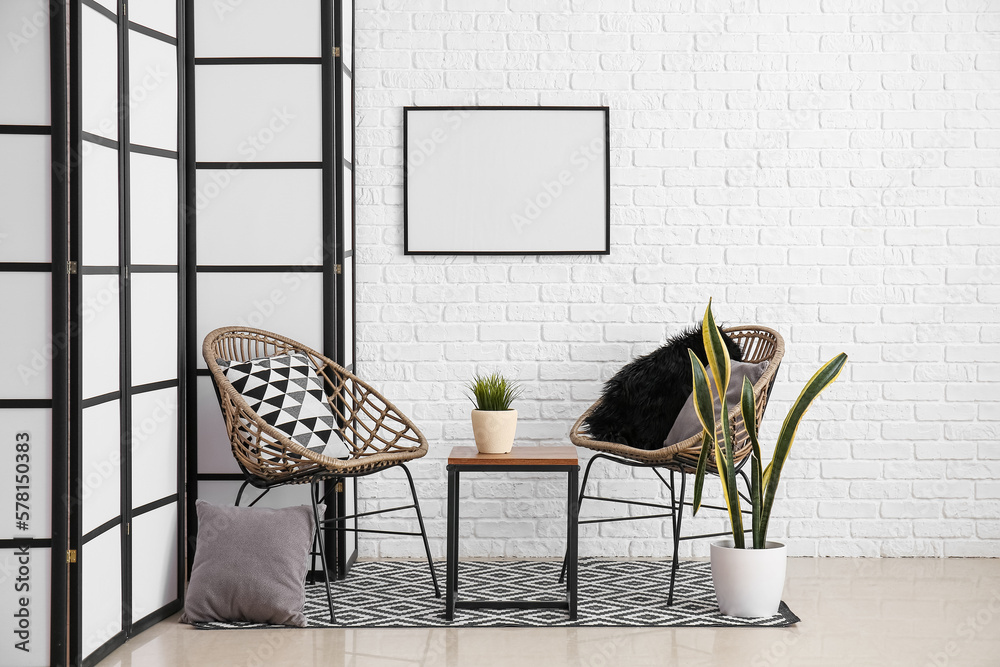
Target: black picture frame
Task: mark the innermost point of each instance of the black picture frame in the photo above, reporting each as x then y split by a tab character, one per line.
607	185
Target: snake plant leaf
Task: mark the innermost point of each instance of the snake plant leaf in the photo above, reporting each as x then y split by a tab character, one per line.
699	475
756	476
730	488
720	463
705	408
702	395
715	349
756	502
817	383
749	415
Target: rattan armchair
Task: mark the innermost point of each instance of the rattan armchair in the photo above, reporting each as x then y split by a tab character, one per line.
378	436
758	344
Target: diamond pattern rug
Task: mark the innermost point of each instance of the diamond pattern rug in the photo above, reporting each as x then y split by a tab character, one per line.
612	593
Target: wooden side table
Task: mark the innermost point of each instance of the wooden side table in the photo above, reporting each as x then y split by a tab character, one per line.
520	459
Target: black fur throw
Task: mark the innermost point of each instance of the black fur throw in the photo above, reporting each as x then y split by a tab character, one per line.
640	403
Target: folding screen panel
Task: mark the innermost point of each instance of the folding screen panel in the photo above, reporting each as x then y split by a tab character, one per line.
126	238
95	264
345	314
267	215
153	295
33	299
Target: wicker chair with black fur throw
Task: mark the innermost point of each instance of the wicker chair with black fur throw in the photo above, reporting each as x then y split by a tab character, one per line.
377	435
758	344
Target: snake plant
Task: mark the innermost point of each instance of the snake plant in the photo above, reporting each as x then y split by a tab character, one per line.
719	438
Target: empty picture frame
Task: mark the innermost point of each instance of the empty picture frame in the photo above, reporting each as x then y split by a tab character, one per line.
506	180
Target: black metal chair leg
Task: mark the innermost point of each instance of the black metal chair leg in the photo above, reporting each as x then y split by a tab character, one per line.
583	489
678	516
746	480
322	551
239	494
311	577
254	501
423	531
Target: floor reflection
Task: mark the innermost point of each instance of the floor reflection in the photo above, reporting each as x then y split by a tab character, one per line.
855	612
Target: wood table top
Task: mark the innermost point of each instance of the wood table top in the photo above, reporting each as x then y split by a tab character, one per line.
564	455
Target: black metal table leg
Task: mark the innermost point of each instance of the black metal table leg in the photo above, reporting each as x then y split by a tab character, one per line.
562	460
572	527
583	493
458	520
452	545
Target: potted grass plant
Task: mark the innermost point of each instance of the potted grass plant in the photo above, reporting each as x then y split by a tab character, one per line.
494	422
748	577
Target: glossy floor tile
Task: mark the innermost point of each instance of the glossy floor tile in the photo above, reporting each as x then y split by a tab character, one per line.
856	612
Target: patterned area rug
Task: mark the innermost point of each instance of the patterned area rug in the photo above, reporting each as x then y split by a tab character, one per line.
612	593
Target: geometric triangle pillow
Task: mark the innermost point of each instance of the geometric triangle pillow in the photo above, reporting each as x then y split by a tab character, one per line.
288	394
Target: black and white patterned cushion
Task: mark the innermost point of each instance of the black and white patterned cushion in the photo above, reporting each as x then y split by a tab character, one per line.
287	393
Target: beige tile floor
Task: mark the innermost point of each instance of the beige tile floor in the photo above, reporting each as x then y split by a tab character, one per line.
855	612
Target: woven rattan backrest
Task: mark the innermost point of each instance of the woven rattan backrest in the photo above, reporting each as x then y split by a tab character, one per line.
757	344
371	426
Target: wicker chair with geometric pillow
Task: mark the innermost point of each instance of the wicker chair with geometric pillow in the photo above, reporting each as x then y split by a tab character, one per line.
286	381
757	344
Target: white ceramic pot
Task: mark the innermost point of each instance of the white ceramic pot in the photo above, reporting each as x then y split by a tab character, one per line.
748	582
494	430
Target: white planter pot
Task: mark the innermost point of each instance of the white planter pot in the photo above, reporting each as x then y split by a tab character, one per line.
748	582
494	430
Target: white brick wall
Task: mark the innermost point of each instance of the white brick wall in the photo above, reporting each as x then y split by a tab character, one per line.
826	167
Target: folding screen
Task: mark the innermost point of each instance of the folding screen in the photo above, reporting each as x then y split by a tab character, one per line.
345	311
33	299
127	299
272	155
97	277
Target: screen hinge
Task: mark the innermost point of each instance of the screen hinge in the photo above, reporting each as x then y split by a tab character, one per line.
340	487
338	269
71	268
336	52
71	556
